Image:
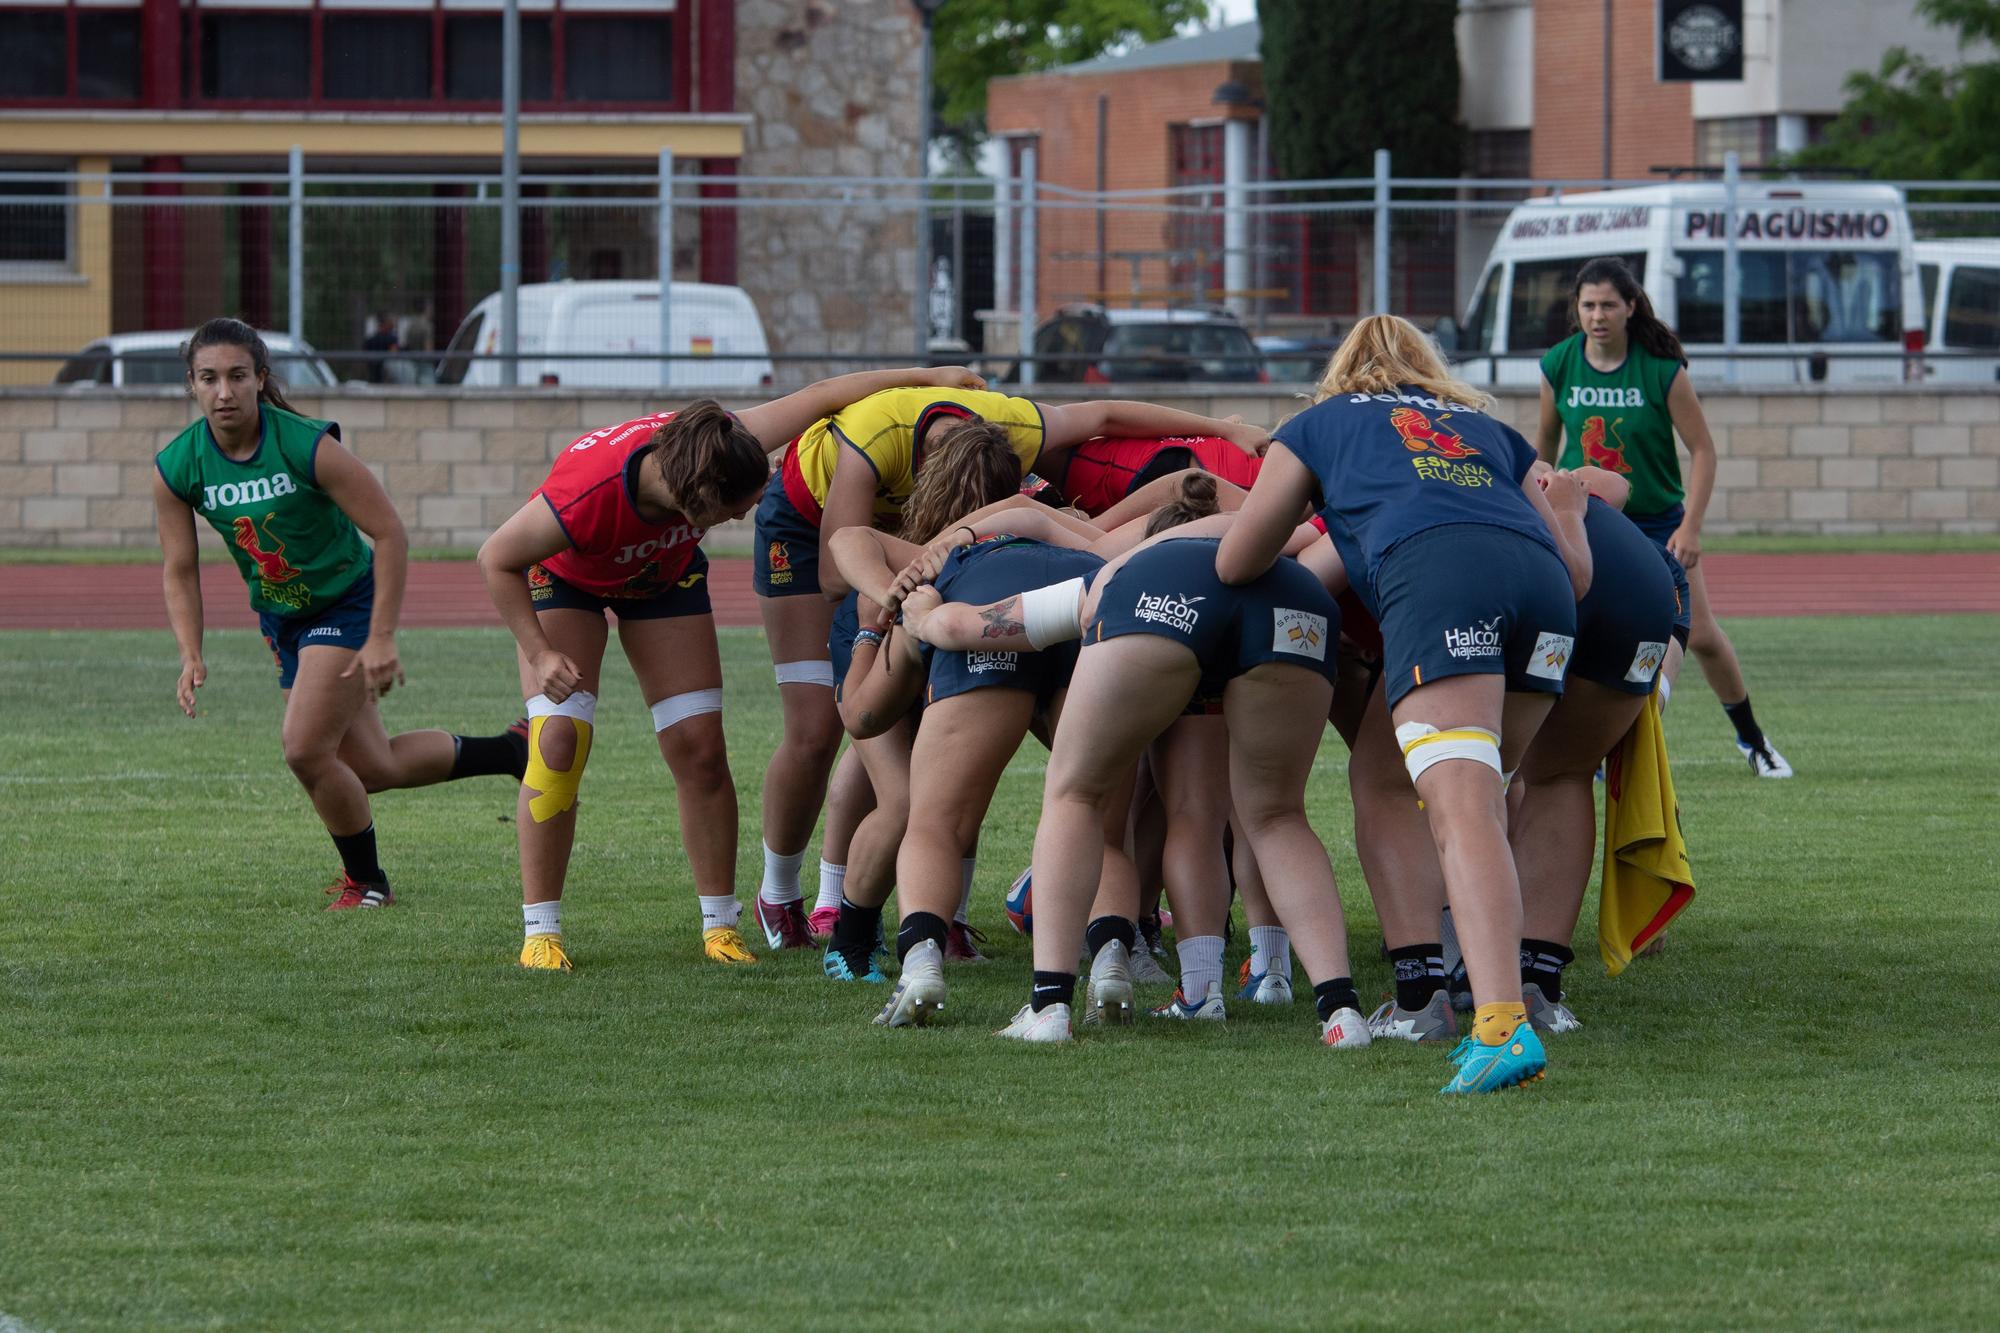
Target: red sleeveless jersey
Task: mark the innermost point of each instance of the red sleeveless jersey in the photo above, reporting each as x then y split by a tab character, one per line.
1100	472
613	550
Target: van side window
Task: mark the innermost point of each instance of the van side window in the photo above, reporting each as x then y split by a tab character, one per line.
1538	313
1478	336
1807	296
1972	309
1699	293
451	370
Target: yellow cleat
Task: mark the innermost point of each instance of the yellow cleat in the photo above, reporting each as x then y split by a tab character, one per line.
725	945
544	953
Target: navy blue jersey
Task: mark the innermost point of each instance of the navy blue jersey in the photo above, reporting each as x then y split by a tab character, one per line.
1393	465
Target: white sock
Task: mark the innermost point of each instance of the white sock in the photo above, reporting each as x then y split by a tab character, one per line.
542	918
1666	688
1270	951
1201	966
723	910
781	876
966	869
832	879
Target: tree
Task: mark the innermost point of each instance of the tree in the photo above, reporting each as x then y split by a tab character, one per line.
979	40
1342	80
1914	120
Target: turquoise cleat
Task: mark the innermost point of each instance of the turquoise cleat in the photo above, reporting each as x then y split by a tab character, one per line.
835	965
1482	1068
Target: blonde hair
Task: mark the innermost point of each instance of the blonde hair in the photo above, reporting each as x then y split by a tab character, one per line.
969	466
1384	352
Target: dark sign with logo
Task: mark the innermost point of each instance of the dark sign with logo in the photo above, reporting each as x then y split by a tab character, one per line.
1701	41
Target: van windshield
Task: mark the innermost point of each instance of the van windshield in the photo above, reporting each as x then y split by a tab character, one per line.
1538	312
452	368
1795	296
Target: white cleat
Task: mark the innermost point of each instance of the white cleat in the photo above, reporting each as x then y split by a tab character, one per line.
1107	998
1765	761
1549	1016
1210	1009
1436	1021
1267	988
1345	1030
920	989
1050	1025
1146	970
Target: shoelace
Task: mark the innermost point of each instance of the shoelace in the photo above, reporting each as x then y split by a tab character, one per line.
972	932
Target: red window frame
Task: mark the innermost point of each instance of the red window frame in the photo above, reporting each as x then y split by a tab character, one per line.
316	99
70	95
1194	157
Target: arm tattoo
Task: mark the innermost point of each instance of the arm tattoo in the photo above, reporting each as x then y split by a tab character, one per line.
999	620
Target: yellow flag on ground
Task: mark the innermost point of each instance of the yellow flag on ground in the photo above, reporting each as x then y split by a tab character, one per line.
1646	879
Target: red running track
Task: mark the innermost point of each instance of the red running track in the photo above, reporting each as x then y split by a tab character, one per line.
448	593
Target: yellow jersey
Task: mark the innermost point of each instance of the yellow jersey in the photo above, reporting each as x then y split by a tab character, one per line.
884	429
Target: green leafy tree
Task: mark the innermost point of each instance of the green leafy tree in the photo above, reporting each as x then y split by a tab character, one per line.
1343	80
1915	120
980	40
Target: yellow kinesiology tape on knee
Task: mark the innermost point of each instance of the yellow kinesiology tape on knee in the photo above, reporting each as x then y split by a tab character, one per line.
557	785
1474	734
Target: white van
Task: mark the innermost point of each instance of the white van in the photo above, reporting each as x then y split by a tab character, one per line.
1826	268
709	321
1961	281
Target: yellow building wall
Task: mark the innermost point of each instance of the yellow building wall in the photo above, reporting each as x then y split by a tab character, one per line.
62	309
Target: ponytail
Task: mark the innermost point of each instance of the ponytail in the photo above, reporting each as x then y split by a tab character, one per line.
707	460
1196	500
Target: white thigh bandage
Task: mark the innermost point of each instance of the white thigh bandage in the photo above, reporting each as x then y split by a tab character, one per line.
1424	745
1053	614
816	672
581	706
680	707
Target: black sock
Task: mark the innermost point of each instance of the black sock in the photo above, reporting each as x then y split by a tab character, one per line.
1108	928
918	927
1149	929
1747	731
1419	974
489	757
1329	997
855	931
1542	962
1053	988
357	856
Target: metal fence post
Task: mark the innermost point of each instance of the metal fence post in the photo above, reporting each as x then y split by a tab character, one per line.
1732	272
1381	231
666	240
510	192
295	250
1025	339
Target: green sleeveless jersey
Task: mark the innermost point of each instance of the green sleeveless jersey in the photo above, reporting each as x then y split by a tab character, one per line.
296	549
1618	420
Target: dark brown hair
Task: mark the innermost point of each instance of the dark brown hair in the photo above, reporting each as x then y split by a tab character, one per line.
1645	328
1196	500
707	460
966	467
225	332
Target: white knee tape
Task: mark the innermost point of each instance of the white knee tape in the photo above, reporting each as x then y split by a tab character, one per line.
581	705
1424	745
817	672
680	707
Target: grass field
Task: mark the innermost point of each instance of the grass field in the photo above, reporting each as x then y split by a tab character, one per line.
220	1108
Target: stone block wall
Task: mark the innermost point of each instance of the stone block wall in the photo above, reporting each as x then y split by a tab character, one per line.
76	470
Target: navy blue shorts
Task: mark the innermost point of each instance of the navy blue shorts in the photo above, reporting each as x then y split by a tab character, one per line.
1683	599
1470	599
1625	621
840	638
1171	591
1659	527
343	624
786	555
686	597
989	571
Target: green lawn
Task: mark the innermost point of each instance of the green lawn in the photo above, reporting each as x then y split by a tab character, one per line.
220	1108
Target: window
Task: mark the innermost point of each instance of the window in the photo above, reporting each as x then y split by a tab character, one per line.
457	359
1788	296
1195	158
1972	309
1538	313
1501	154
1929	274
472	58
107	54
33	233
37	47
90	366
1478	333
1755	139
626	59
376	57
256	57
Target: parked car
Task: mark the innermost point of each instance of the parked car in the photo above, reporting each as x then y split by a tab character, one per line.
155	358
1961	280
1825	267
618	317
1296	360
1095	345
